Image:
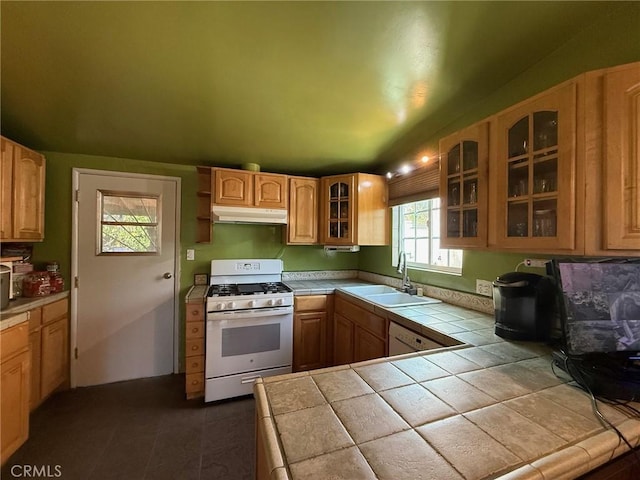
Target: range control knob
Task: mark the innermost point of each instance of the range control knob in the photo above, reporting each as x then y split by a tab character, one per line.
252	303
219	306
271	302
231	304
279	301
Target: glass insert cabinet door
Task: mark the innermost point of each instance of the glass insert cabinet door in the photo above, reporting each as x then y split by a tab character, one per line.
538	163
339	197
463	180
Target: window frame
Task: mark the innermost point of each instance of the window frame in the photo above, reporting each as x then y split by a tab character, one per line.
101	194
398	239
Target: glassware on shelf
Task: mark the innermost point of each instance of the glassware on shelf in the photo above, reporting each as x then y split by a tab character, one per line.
473	194
454	194
544	223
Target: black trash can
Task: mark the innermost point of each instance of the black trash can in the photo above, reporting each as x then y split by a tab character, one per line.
524	306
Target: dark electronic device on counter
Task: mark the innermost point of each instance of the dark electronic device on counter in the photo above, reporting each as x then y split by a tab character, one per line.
524	305
599	304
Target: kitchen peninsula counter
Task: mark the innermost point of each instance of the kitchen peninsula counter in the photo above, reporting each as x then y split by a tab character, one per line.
483	410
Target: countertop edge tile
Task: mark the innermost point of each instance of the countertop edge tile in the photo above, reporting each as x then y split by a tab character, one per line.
525	472
13	320
567	463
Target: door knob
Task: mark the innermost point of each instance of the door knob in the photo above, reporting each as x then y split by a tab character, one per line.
167	275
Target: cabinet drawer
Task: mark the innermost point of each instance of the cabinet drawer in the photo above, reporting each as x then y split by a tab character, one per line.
194	364
195	311
194	347
194	382
194	330
54	310
35	319
372	322
310	303
13	340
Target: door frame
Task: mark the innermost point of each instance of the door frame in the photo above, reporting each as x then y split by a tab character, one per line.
73	333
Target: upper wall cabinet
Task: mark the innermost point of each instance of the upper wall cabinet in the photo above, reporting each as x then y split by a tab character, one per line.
354	210
464	162
612	161
236	188
535	173
244	188
22	175
302	224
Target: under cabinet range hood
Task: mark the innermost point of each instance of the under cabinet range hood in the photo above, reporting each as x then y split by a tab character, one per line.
342	248
230	214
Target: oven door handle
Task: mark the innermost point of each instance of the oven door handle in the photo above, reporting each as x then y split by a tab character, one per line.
251	379
263	312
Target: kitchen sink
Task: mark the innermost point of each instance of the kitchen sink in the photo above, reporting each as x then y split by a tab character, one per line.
399	299
363	290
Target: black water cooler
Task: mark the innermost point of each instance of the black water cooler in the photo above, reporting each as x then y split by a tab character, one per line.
524	306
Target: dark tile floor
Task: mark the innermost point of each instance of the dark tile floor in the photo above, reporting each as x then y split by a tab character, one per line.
140	429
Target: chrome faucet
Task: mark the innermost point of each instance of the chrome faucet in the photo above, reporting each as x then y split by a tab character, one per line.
402	268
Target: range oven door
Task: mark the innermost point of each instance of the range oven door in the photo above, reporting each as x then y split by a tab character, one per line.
248	340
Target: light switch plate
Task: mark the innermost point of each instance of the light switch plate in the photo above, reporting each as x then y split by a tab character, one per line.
191	254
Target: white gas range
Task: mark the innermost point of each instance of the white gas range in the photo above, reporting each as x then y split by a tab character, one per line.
249	326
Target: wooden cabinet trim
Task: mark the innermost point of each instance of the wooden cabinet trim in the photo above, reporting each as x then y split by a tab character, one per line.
310	303
14	392
14	340
54	311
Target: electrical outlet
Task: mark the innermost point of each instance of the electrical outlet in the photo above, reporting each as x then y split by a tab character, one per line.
535	262
191	254
484	287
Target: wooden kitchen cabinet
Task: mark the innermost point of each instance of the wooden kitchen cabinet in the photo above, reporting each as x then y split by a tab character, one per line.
311	329
14	389
612	159
359	334
302	224
22	176
49	342
237	188
535	173
243	188
194	348
464	164
35	350
55	354
354	210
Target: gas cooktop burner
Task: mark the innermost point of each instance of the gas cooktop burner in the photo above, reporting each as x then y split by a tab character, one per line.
228	290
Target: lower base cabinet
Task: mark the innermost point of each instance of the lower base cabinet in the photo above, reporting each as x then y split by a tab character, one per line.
194	349
359	334
49	350
311	331
15	369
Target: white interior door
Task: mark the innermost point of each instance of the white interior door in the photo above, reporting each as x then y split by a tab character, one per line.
124	257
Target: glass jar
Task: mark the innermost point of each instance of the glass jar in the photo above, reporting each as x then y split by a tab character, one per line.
36	284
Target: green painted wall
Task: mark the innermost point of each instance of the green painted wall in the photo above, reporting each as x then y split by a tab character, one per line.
612	41
229	241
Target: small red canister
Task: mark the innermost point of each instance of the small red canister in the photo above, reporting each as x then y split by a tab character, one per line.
36	284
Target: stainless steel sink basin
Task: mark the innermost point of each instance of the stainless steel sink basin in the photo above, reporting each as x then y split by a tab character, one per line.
362	290
399	299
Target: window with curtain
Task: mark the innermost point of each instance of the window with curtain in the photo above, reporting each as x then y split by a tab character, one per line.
414	197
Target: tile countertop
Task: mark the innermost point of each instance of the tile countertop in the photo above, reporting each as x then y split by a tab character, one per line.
493	409
16	312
